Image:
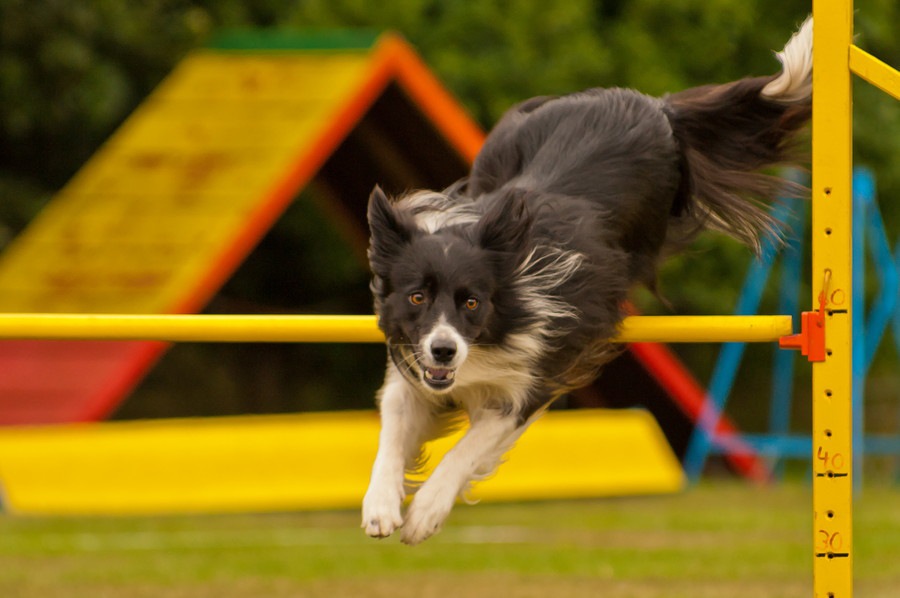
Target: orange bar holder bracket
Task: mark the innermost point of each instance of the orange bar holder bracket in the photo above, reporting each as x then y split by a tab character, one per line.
811	340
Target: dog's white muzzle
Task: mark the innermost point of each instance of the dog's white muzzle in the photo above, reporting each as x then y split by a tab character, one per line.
443	351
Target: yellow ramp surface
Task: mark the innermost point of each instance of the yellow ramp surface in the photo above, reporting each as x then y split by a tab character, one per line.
157	209
167	209
308	461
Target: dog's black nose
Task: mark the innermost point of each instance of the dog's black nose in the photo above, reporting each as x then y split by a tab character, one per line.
443	350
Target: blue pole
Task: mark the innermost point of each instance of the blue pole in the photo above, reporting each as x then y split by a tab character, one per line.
863	187
782	396
885	302
722	379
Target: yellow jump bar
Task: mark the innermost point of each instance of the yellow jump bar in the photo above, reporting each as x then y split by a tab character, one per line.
348	329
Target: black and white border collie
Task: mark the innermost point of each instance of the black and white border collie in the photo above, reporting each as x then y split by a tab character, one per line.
502	292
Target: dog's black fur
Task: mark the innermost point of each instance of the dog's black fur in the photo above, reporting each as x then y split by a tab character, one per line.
502	292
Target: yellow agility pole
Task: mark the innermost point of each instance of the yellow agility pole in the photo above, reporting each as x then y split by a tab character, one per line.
348	329
831	287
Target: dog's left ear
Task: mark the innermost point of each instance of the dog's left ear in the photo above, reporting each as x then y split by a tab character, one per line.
389	231
506	226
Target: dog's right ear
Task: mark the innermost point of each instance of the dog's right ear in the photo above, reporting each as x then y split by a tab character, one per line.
507	225
390	231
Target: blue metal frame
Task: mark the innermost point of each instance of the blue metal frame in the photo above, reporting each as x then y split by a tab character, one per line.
868	232
731	355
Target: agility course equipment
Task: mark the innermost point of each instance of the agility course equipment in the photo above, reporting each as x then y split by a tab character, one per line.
869	329
164	212
832	271
160	217
349	329
839	360
834	60
308	461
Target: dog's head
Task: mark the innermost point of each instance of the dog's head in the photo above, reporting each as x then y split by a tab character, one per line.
438	294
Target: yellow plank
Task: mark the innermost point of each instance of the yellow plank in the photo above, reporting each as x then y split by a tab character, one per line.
335	328
308	461
832	275
876	72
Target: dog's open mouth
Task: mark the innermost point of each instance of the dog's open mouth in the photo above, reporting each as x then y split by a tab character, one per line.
439	378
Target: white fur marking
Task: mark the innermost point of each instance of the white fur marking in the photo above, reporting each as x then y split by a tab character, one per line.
794	84
434	211
443	330
540	274
404	420
475	456
507	370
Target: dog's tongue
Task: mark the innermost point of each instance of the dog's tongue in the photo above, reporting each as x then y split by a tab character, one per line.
438	373
440	376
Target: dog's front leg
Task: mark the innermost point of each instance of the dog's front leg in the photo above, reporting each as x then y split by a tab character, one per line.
403	418
475	456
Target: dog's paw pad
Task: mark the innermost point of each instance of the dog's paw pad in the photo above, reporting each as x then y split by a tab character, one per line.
381	516
381	527
418	535
422	522
377	528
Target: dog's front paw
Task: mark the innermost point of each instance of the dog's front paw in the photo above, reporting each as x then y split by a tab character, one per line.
381	512
426	514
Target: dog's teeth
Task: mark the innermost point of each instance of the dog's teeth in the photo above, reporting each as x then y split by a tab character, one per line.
440	374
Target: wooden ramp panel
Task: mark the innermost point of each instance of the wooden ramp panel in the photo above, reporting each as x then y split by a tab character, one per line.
309	461
167	209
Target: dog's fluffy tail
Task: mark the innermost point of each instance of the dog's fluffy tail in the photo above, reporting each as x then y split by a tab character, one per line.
727	133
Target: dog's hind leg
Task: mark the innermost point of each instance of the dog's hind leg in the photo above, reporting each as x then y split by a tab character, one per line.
405	420
475	456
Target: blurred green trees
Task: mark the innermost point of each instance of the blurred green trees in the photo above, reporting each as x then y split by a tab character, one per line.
70	72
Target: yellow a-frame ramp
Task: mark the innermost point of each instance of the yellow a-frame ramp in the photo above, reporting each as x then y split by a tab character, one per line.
166	210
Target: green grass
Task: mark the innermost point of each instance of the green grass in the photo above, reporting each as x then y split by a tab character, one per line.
717	540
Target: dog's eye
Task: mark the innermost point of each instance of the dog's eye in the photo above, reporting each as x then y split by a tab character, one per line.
417	298
472	303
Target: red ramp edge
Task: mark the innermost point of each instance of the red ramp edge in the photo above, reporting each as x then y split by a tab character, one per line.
91	376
